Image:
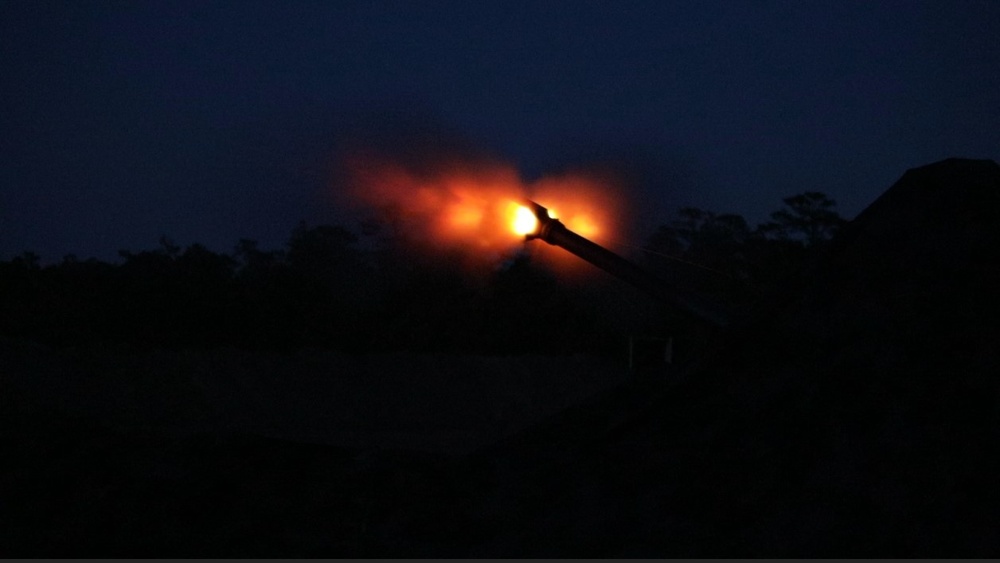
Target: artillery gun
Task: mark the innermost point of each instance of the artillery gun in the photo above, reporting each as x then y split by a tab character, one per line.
705	317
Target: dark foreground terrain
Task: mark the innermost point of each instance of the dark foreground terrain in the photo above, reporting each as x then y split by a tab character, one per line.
109	452
857	413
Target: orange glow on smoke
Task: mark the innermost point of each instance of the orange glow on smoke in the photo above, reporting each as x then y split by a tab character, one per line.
459	206
476	206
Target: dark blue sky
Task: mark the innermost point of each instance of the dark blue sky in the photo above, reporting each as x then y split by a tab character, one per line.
212	121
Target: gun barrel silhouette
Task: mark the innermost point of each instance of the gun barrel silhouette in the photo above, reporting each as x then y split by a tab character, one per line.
555	233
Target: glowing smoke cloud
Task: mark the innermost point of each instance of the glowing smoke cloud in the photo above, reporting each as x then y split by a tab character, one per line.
469	205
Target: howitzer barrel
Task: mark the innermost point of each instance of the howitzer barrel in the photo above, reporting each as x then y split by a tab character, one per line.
555	233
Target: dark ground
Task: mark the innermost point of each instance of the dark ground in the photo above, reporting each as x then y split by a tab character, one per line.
231	453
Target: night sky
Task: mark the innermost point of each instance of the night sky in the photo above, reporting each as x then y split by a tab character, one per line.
214	121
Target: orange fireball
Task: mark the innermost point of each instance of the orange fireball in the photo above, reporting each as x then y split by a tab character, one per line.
524	221
475	207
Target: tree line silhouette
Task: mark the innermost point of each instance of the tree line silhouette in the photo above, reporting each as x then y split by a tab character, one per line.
326	290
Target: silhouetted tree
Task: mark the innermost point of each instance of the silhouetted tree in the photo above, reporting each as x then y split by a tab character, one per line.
252	261
27	260
708	251
321	249
704	251
202	270
808	217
